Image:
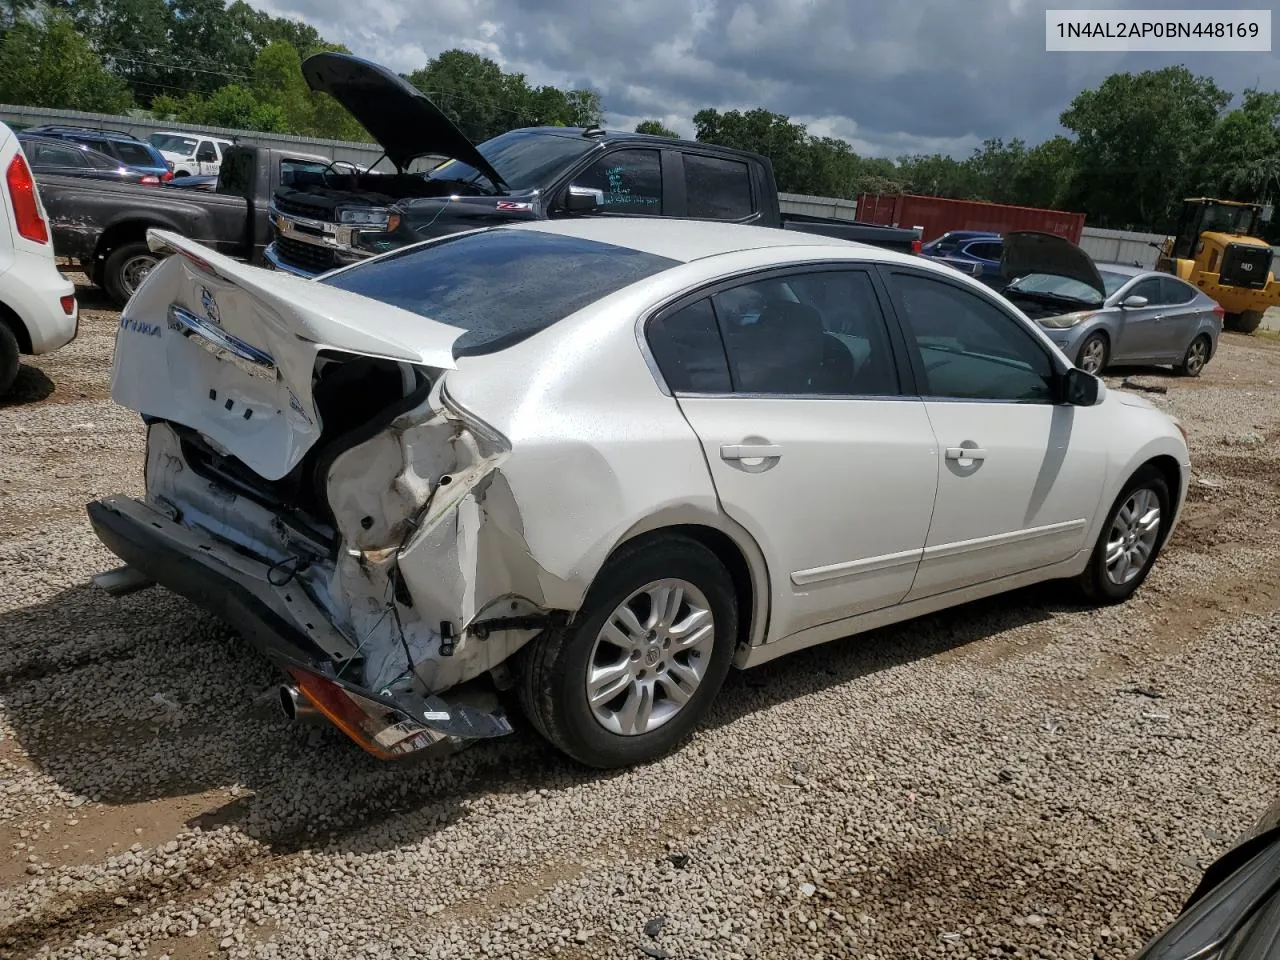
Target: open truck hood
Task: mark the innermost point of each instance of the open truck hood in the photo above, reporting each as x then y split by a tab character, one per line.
398	115
1027	252
230	350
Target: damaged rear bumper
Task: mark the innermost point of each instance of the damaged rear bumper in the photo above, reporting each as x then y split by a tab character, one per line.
283	623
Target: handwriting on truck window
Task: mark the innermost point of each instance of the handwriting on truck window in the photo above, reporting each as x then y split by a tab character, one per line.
620	194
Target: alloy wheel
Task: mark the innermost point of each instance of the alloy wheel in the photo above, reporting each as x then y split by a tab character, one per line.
1132	538
650	657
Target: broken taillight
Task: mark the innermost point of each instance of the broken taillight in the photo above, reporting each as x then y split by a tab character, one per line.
26	206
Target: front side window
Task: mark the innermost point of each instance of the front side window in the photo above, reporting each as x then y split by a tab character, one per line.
630	181
717	189
969	349
818	333
1149	288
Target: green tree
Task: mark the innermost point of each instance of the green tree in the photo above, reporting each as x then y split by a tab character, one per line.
1137	137
655	129
48	64
995	167
1241	157
278	82
937	175
1044	176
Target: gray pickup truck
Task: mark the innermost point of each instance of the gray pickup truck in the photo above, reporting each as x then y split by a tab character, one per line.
104	225
332	218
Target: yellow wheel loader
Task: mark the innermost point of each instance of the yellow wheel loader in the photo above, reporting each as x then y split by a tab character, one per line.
1216	248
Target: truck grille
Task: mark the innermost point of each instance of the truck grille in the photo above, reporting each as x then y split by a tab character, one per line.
304	256
1245	266
292	206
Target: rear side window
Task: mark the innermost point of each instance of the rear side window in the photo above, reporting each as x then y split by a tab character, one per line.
500	286
687	347
1175	292
58	156
717	189
134	154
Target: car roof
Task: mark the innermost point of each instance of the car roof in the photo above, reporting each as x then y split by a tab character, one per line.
600	135
688	240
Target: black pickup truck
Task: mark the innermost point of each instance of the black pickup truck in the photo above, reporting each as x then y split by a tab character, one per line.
104	225
332	218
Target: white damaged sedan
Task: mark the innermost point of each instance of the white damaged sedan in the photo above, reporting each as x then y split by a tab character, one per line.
599	462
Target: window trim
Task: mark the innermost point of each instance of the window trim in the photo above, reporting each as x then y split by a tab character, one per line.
1128	291
897	345
1057	363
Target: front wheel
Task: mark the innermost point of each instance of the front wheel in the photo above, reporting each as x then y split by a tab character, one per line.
637	670
126	268
1093	354
1131	538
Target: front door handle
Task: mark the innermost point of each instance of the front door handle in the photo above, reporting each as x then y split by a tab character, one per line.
966	453
750	451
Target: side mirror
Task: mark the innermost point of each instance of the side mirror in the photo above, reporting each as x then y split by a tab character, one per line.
1080	389
583	199
1134	303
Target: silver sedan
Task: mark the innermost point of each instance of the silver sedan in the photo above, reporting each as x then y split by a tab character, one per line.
1137	317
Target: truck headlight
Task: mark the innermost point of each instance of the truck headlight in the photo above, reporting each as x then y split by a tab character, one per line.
365	216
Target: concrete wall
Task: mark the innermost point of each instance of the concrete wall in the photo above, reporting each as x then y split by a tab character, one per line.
1121	246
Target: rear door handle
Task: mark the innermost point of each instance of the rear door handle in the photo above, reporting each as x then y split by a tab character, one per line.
750	451
966	453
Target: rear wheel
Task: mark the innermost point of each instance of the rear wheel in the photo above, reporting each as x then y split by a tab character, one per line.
1195	358
8	358
1131	538
126	268
637	670
1093	354
1244	322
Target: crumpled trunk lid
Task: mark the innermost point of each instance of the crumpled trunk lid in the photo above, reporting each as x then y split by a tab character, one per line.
230	350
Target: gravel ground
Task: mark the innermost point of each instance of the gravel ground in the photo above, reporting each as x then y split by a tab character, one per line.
1019	777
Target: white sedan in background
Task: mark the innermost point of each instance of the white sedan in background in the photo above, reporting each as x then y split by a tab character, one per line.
600	462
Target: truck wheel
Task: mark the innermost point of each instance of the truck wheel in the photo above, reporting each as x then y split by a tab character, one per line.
639	666
1244	322
126	268
8	358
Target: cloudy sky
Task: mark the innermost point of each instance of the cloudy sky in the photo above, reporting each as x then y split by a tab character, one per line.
889	76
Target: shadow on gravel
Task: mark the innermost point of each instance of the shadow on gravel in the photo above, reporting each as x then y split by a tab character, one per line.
144	698
30	386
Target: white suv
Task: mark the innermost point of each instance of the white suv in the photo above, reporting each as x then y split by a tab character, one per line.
37	303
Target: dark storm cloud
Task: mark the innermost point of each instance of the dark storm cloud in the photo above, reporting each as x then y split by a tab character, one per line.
890	77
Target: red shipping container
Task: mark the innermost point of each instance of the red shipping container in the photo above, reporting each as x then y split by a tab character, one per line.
937	215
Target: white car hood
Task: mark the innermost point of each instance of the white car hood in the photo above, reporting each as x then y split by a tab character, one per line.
230	350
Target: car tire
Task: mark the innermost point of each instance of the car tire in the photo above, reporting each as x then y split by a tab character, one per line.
1094	350
120	272
9	352
555	668
1197	355
1099	582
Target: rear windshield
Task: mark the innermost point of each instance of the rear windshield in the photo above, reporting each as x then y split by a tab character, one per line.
134	154
500	286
